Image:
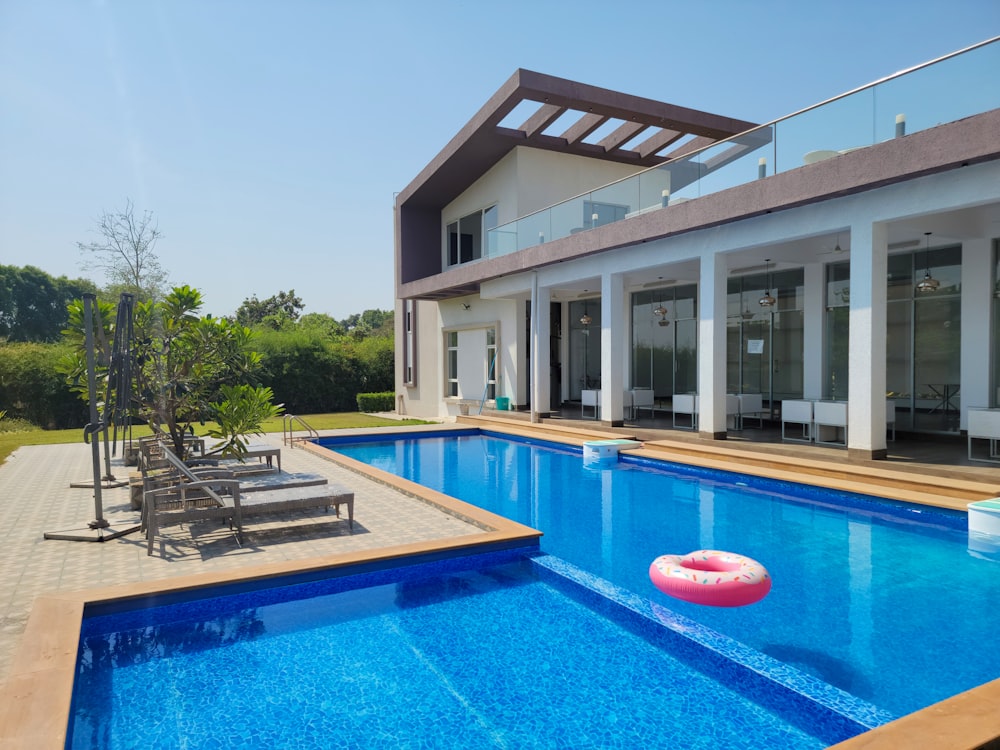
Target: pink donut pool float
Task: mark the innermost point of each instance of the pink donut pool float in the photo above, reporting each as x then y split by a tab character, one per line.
712	577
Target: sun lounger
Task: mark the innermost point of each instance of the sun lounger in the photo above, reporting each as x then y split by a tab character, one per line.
263	452
194	497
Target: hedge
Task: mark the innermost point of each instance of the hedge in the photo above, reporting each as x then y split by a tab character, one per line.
374	402
32	390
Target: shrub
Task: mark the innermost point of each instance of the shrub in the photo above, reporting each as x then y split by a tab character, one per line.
307	373
373	402
16	425
33	390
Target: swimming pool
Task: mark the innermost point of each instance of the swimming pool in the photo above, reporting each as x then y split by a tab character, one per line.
874	597
504	649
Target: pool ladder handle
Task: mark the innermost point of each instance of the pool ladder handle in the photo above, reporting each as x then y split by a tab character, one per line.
288	436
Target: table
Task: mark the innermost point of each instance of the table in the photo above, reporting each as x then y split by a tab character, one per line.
984	424
945	392
590	397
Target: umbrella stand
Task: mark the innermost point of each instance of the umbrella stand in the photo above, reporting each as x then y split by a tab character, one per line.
100	529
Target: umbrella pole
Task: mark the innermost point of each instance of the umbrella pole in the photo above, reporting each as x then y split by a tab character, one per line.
99	522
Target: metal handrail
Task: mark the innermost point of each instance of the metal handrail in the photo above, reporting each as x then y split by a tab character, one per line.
288	430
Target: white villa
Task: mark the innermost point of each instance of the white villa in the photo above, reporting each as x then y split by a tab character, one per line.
576	248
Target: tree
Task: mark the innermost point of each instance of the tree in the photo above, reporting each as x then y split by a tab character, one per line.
125	254
188	369
33	303
275	312
323	324
368	323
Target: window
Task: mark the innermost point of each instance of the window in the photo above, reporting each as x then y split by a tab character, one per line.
491	361
996	325
764	349
471	367
409	342
467	236
838	328
451	383
923	342
665	346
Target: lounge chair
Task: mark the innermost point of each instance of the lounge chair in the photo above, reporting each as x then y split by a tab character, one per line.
157	470
195	497
263	452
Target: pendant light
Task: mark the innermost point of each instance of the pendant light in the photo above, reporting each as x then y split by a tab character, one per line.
767	301
585	319
662	312
928	283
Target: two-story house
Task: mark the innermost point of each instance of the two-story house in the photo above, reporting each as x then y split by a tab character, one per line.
574	246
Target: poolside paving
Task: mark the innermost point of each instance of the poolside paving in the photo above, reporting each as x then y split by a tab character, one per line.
36	497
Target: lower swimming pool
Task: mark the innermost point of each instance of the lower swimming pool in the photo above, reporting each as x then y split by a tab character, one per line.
874	597
505	649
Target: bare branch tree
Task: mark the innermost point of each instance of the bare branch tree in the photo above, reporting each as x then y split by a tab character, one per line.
125	252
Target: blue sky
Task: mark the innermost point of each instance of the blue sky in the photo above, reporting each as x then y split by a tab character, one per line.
268	138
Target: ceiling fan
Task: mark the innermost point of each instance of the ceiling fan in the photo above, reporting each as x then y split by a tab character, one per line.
837	249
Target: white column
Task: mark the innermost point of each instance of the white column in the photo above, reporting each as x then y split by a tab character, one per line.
613	341
564	389
814	316
516	374
866	368
977	305
540	327
712	346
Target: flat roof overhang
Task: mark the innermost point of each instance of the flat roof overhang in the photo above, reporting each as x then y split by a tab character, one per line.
945	147
652	125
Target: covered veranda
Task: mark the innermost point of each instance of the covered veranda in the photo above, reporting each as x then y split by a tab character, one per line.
683	316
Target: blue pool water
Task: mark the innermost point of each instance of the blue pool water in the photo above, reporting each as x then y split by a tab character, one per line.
878	599
505	651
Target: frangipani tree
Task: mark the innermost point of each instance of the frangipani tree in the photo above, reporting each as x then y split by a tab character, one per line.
191	368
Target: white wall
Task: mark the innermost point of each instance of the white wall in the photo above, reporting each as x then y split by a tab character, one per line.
528	180
426	398
422	399
497	187
547	177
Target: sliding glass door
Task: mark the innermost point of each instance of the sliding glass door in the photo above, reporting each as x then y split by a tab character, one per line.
923	344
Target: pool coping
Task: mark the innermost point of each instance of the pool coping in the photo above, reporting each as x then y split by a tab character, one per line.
35	701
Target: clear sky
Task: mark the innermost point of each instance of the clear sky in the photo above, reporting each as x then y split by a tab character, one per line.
268	138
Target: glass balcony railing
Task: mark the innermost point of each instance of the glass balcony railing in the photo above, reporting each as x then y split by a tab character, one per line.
959	85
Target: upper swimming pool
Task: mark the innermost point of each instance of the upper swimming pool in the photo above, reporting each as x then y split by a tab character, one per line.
879	599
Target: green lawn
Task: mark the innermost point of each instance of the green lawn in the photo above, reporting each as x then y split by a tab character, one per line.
11	441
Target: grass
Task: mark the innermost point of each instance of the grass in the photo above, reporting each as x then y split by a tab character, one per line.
11	441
